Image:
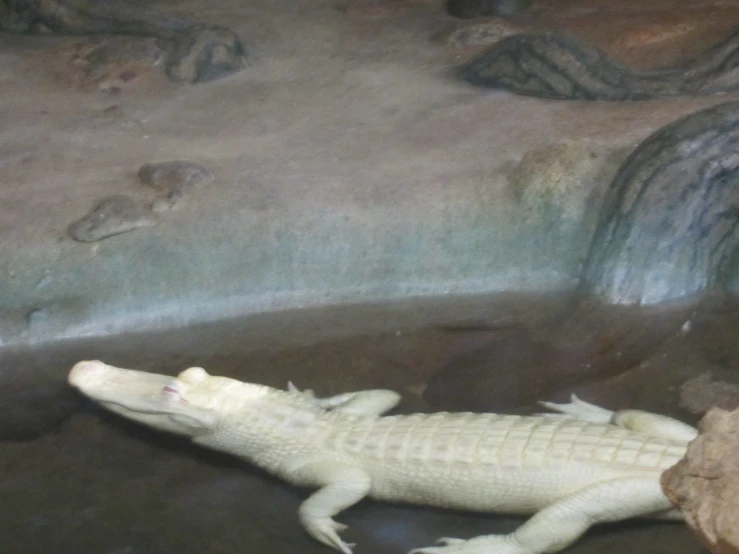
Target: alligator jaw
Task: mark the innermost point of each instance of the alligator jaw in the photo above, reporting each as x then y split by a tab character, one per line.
147	398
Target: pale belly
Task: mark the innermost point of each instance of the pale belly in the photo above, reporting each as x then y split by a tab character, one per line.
511	489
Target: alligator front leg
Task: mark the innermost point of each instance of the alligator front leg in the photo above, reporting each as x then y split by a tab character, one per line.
342	486
648	423
562	523
367	402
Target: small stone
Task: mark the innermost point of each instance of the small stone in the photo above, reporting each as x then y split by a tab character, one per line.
174	180
202	53
113	215
166	203
484	34
174	176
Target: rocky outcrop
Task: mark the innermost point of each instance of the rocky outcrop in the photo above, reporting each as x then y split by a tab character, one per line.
705	483
551	65
195	52
665	232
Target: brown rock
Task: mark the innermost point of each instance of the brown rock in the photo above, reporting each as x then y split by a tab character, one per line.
653	34
699	394
704	485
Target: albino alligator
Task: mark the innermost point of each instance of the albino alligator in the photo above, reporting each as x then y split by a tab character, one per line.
574	469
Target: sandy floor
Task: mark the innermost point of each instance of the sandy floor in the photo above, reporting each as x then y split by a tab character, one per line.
349	163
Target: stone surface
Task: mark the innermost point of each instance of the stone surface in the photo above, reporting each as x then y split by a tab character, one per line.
173	180
198	52
203	53
111	216
701	393
351	165
705	484
111	64
482	34
560	181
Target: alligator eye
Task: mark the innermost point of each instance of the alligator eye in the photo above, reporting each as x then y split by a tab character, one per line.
193	375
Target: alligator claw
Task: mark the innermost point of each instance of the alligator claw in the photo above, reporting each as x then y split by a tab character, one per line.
579	409
326	530
308	393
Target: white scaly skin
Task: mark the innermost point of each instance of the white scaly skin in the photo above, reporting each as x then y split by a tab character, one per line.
582	466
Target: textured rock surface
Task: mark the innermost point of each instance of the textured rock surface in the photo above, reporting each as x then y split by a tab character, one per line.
556	181
198	52
699	394
553	65
173	180
668	222
482	34
202	53
351	165
111	216
705	484
111	64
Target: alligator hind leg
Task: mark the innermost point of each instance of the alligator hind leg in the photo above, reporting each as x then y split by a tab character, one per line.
367	402
655	425
560	524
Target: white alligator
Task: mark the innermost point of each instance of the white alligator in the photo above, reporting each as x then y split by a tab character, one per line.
581	466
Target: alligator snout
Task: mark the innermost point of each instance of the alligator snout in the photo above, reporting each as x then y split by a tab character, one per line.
86	372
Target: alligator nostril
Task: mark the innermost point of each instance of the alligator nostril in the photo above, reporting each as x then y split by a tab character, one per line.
83	370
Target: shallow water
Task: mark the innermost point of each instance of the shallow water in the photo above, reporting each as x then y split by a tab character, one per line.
100	485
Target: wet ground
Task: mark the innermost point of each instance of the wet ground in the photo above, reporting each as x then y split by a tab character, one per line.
100	485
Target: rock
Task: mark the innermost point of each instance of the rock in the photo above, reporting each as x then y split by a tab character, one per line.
113	215
704	485
174	180
667	225
653	34
483	34
556	182
203	53
196	52
111	63
561	66
701	393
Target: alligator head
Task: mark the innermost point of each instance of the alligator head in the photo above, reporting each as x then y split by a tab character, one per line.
192	404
